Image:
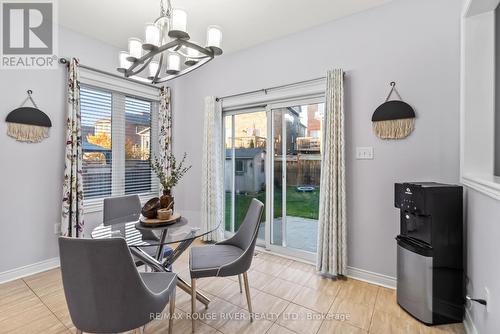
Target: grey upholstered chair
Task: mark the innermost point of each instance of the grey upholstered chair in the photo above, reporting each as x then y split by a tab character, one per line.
124	209
105	292
230	257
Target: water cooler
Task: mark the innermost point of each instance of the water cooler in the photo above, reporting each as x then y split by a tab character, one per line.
430	282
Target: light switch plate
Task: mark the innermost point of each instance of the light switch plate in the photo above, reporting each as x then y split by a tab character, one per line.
364	153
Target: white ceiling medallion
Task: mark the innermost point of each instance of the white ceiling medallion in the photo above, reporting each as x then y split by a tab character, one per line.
166	50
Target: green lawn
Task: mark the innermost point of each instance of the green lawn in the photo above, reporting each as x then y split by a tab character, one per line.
298	204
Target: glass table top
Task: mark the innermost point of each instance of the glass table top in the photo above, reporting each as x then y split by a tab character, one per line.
131	232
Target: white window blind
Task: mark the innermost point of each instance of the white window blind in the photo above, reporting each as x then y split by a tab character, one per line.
117	132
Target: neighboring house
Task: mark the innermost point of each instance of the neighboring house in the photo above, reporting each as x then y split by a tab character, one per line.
250	170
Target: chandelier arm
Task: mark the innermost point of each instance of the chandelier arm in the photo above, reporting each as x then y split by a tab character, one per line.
205	51
157	74
130	71
150	55
175	43
185	71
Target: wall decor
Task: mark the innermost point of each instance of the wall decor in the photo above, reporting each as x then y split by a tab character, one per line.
393	119
28	124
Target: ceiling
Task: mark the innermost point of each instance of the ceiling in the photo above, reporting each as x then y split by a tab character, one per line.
244	23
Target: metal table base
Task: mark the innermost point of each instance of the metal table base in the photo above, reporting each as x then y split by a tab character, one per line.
161	265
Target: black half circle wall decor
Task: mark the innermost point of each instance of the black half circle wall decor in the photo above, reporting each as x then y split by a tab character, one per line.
393	119
28	124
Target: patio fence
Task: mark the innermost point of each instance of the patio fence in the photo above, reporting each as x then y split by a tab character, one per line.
301	169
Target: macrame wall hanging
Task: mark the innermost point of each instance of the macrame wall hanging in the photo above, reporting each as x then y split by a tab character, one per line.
393	119
28	124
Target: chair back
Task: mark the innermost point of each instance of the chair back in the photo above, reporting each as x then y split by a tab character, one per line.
103	289
245	239
121	209
247	233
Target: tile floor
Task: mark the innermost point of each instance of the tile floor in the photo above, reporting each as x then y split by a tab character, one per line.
287	296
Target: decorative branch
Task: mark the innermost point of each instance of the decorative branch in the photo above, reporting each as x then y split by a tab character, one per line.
177	171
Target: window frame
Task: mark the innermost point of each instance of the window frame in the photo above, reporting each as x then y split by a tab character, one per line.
477	104
243	169
120	90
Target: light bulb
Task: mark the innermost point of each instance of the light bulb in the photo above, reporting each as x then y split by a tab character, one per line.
124	63
153	68
173	63
163	24
152	34
192	55
214	36
135	47
179	20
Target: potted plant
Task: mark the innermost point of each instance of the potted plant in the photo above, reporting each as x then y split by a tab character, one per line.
175	172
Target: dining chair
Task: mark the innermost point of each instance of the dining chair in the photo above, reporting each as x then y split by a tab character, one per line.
230	257
104	291
125	209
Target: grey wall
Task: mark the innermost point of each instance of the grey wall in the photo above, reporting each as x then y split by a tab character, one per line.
483	234
413	42
31	174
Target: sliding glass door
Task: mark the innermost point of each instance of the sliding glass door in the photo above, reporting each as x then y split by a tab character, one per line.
244	165
283	172
296	170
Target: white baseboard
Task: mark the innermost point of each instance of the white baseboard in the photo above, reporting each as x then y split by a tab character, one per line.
28	270
470	328
359	274
371	277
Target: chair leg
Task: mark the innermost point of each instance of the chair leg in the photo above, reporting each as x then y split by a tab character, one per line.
193	303
241	285
172	313
249	299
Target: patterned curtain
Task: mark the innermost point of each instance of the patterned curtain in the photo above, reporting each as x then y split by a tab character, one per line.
72	203
332	248
212	172
165	127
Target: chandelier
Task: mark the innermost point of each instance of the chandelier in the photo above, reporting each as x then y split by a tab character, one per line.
167	52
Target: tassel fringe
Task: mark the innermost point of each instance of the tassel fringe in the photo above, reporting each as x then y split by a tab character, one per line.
27	133
394	129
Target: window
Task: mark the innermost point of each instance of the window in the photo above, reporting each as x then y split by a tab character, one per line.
116	140
240	166
96	108
137	149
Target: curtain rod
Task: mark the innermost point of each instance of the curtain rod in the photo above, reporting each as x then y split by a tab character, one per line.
265	90
66	62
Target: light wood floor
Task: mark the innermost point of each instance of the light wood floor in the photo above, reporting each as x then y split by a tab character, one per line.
294	298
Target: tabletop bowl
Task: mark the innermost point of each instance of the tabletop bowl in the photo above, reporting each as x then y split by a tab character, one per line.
150	209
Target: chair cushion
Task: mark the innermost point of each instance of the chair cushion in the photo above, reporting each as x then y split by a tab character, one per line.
205	261
159	282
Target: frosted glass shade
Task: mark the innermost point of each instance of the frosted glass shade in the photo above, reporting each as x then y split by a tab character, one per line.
163	24
135	47
192	56
124	63
173	63
152	34
214	37
179	20
153	68
192	53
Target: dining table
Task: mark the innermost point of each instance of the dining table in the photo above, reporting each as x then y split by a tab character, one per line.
179	235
